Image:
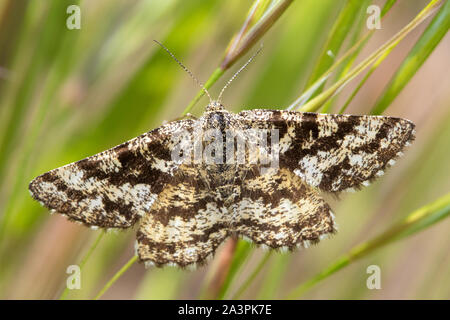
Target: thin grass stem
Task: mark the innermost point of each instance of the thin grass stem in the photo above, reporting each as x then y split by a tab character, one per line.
253	275
116	277
84	260
413	223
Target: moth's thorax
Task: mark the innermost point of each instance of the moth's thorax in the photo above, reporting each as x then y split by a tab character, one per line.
219	119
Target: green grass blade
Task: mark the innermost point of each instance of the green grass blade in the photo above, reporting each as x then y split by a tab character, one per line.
84	260
261	27
416	221
359	26
353	51
431	37
336	37
364	79
351	59
241	43
162	284
387	6
252	276
317	102
208	84
241	255
116	277
277	270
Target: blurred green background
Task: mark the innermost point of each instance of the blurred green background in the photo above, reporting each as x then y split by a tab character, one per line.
67	94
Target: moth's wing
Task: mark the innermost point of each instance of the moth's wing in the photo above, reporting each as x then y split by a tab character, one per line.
112	189
279	210
335	152
185	225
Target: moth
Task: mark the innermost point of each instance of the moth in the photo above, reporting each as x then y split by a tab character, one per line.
188	192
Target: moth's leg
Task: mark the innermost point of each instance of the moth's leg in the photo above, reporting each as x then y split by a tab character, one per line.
187	116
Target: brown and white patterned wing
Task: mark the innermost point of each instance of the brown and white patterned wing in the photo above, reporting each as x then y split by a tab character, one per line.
185	225
279	210
335	152
112	189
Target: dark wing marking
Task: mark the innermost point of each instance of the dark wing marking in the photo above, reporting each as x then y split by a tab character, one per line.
185	225
112	189
279	210
335	152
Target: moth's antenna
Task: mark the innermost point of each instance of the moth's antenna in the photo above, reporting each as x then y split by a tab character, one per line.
239	71
185	69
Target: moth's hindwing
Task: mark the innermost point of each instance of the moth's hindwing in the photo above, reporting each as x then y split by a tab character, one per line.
185	225
280	211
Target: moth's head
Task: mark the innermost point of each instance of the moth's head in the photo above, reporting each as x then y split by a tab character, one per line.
214	106
216	116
